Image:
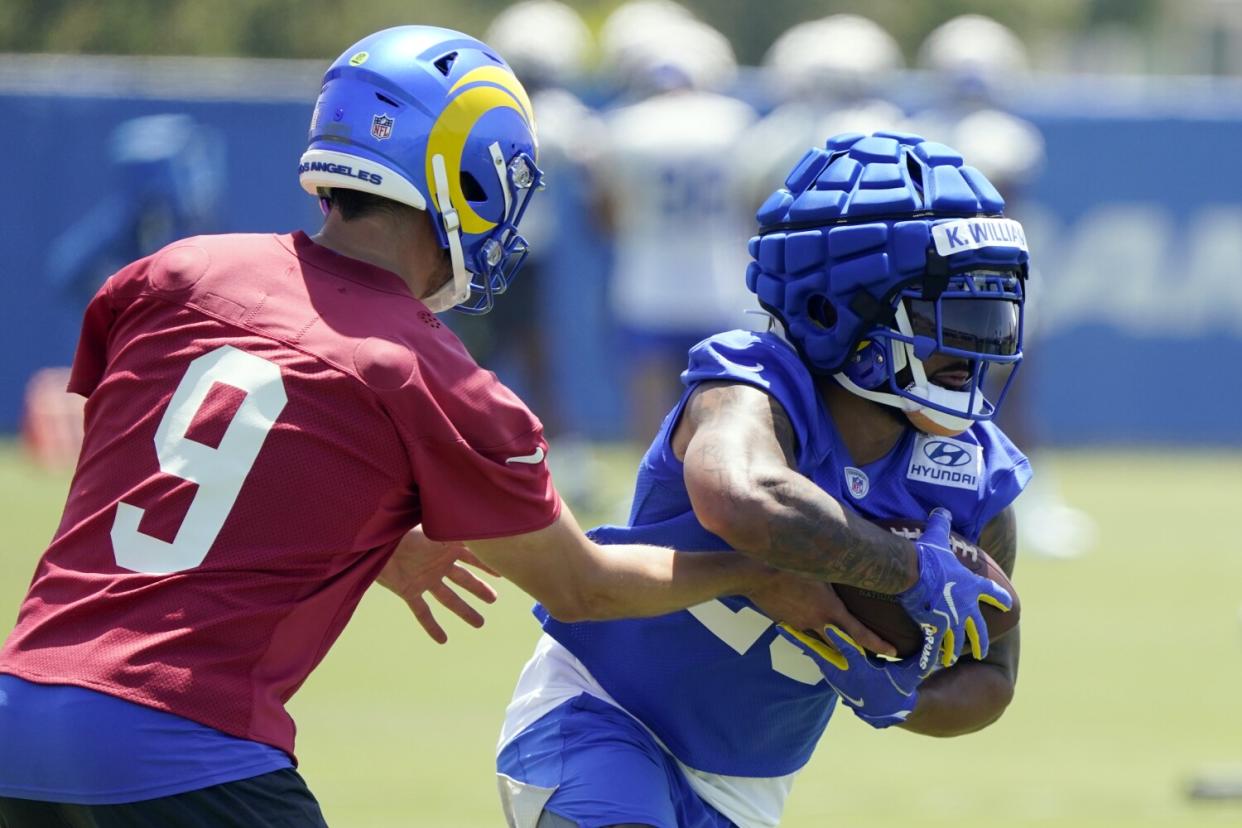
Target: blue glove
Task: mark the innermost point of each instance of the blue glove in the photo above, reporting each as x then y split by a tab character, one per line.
881	693
945	600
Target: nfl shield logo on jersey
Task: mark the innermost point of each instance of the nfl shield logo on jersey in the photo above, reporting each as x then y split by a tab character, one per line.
381	127
857	482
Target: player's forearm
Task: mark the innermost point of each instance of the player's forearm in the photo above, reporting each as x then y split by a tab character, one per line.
785	520
632	581
967	697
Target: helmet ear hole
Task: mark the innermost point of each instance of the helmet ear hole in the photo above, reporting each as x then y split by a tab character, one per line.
821	311
471	188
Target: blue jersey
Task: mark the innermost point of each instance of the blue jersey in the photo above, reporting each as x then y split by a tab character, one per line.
716	683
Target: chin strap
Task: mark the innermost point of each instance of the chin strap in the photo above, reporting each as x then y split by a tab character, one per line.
934	421
502	173
457	290
921	416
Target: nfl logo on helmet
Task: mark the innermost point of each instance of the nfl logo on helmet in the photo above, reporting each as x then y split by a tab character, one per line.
381	127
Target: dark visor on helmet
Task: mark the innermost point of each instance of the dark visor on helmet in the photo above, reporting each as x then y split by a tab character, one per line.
980	313
984	326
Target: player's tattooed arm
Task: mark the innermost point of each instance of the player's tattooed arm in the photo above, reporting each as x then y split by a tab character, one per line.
971	694
578	580
739	451
1000	539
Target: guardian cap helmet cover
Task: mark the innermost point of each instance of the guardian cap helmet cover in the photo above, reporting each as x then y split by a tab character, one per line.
882	250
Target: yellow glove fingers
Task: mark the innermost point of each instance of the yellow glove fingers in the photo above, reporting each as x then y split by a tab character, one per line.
947	649
821	648
991	601
972	635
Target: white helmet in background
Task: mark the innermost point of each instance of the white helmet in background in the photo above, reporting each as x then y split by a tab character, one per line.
1006	149
974	58
975	54
634	21
545	42
686	54
839	56
629	33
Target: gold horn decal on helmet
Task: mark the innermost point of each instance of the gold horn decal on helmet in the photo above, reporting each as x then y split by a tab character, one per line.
451	130
507	81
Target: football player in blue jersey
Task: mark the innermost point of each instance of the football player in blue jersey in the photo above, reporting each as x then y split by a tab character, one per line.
895	286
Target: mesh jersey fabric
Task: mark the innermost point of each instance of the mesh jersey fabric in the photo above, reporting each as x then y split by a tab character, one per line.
388	423
686	675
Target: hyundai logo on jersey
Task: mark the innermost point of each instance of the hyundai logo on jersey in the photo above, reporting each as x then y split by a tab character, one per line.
945	462
945	453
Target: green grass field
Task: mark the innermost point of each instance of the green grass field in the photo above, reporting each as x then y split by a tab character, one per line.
1130	676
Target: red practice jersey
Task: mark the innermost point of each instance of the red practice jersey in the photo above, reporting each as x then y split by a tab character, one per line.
265	419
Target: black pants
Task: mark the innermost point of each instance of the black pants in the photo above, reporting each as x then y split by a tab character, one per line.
274	800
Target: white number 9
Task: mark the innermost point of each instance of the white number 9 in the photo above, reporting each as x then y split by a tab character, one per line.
219	472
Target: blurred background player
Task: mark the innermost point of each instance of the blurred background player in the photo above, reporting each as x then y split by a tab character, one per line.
976	64
669	188
550	49
828	76
892	300
548	46
626	35
269	417
166	172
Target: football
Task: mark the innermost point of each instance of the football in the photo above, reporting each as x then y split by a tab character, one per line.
886	617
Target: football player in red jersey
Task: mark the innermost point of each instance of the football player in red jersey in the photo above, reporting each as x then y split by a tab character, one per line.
267	418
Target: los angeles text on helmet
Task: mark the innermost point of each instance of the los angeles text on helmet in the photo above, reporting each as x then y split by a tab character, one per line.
972	234
340	169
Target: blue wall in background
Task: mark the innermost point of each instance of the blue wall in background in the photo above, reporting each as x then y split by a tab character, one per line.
59	168
1136	225
1137	234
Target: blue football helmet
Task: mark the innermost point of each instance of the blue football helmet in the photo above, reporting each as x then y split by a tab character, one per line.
883	250
435	119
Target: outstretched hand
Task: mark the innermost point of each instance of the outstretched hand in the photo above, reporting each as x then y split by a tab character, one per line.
420	565
945	600
806	604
